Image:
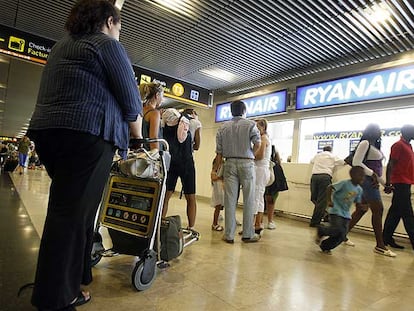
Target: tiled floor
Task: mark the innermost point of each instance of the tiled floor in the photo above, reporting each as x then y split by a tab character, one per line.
284	271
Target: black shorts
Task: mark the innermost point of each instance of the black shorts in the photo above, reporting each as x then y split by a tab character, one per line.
186	172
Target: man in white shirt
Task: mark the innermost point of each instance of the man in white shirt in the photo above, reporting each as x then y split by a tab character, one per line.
323	167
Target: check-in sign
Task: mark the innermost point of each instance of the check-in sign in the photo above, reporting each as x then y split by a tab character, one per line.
394	82
269	104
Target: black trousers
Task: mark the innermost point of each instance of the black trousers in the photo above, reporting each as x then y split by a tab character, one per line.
319	183
337	230
78	165
400	208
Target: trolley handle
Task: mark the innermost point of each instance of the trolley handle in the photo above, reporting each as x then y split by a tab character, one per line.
136	143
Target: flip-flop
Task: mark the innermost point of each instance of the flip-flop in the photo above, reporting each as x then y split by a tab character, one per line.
81	299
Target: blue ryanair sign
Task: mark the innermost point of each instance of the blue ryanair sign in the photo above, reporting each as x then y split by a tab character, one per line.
256	106
398	81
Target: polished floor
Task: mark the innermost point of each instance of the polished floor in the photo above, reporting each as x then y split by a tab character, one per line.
284	271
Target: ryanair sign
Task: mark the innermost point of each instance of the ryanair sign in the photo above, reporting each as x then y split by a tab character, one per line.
394	82
256	106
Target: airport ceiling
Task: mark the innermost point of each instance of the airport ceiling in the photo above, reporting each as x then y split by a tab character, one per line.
229	46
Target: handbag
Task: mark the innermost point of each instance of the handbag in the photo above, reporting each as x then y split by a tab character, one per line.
348	160
143	164
272	174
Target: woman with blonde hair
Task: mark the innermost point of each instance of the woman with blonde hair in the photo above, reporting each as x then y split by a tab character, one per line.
152	95
262	158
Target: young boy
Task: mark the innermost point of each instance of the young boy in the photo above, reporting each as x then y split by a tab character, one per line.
340	197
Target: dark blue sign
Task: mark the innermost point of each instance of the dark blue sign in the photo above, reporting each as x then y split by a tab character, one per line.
398	81
256	106
353	143
324	143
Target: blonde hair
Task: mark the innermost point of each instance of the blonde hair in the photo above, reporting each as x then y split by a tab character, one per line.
262	123
149	90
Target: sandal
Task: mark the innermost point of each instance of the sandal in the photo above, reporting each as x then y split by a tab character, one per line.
385	252
217	228
83	297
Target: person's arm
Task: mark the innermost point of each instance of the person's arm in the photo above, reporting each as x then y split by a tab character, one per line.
197	139
136	127
358	202
255	138
154	121
360	155
339	161
329	191
121	79
260	152
217	162
388	188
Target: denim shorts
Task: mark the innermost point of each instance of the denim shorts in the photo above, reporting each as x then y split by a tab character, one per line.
371	193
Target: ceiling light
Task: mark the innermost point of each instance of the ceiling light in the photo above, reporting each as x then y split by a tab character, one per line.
119	4
219	74
3	86
177	7
379	12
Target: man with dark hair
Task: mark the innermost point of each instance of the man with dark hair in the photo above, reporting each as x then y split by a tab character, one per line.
236	141
399	178
323	166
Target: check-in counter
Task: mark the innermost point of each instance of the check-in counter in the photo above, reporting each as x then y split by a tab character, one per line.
296	201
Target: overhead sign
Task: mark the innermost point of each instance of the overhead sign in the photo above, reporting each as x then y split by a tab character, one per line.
176	89
256	106
398	81
21	44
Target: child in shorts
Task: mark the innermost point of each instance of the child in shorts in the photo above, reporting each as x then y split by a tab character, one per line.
340	197
217	195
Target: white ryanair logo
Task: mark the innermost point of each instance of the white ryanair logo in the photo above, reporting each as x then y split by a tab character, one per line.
255	106
387	83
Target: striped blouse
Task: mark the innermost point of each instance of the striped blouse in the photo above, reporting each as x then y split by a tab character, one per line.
88	85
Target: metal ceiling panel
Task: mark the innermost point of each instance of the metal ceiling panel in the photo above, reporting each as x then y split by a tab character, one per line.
261	42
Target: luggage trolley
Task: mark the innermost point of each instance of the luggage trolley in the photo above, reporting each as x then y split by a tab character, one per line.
131	209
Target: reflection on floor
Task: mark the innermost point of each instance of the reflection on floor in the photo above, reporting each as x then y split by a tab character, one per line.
284	271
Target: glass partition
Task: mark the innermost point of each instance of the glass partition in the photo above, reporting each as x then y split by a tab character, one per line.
343	132
281	135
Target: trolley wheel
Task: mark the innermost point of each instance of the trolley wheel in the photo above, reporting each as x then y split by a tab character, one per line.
97	249
145	271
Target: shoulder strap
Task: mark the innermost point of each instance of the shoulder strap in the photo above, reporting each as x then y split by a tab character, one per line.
148	112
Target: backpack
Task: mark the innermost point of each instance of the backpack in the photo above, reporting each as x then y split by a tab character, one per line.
176	133
171	235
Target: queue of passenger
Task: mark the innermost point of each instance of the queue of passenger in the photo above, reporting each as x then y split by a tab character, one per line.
107	109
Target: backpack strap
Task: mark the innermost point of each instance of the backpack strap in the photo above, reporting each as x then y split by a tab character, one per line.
148	112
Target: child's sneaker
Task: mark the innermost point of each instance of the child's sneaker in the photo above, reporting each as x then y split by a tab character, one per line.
271	226
326	252
348	242
318	238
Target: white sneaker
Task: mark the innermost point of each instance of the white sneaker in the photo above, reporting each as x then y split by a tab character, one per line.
385	252
271	226
348	243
